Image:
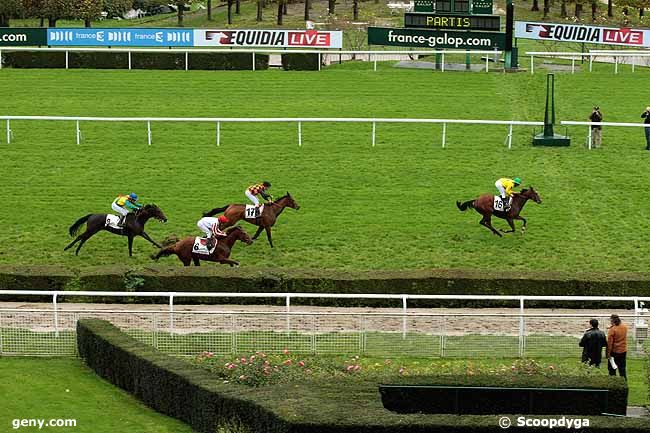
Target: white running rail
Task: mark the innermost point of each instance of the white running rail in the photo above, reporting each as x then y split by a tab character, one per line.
590	124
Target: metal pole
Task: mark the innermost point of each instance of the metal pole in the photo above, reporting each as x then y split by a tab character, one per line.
404	318
375	61
288	307
218	133
56	315
373	134
0	59
591	61
149	132
615	65
573	65
442	62
253	60
299	134
66	59
589	137
129	60
521	327
633	62
319	60
8	132
78	133
532	65
171	316
510	137
187	59
444	134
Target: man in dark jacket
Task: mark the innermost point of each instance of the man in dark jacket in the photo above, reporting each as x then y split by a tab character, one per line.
592	343
646	121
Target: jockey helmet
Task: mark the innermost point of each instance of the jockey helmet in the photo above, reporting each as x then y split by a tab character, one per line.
267	184
133	196
517	180
223	219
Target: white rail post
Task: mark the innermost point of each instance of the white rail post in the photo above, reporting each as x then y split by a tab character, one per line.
589	137
615	65
78	134
591	61
171	316
56	315
375	62
532	65
253	60
487	63
444	134
218	134
9	132
404	317
319	60
299	134
0	59
573	65
522	328
510	137
288	308
129	60
373	134
633	61
149	132
442	62
66	59
187	59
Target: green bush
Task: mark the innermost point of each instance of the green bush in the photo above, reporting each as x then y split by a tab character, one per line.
33	59
227	61
205	402
99	60
162	60
300	62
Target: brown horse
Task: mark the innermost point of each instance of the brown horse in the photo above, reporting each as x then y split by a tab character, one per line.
272	210
484	205
183	249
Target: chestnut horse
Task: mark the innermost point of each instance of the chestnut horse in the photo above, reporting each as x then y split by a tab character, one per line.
272	210
485	206
183	248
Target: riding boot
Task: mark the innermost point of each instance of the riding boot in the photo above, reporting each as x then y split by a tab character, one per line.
120	223
209	243
506	204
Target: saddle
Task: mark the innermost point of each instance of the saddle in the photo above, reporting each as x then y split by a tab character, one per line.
500	204
253	212
200	246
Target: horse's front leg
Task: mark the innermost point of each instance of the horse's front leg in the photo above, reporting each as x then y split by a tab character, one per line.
257	233
229	262
146	236
511	223
523	228
130	237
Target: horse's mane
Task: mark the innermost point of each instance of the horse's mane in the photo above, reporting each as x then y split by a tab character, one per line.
233	228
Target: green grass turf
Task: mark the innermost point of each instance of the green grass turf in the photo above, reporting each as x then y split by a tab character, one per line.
388	207
47	389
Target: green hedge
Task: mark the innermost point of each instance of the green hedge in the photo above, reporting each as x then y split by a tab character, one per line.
300	62
111	60
205	402
418	282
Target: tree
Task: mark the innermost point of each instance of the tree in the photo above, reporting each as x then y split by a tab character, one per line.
87	10
280	11
118	8
230	11
563	12
54	10
535	5
594	9
578	10
331	4
355	10
260	7
9	9
237	8
180	4
307	10
610	12
209	10
547	8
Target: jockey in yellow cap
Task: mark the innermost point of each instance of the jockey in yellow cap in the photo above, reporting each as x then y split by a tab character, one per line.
505	186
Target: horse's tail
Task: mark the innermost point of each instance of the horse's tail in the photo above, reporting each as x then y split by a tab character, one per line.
74	228
164	252
469	204
215	211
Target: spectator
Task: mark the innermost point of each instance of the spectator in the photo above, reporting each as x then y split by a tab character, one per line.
616	346
596	130
646	116
592	344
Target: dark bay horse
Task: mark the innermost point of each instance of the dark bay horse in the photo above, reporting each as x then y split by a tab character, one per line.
133	226
183	248
485	206
236	212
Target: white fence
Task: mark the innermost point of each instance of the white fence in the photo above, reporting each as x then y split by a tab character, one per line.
573	56
324	56
590	124
298	120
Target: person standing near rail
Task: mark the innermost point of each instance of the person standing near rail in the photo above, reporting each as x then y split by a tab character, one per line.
646	121
592	344
616	347
596	130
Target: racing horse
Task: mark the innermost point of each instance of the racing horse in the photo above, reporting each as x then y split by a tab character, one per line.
271	212
133	226
183	249
484	205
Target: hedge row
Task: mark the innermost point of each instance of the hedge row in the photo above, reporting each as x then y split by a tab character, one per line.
423	282
199	398
163	60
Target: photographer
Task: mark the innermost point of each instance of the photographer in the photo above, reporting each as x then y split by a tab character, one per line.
646	121
596	130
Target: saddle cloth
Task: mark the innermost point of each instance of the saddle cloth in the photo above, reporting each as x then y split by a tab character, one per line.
200	246
498	203
112	220
250	211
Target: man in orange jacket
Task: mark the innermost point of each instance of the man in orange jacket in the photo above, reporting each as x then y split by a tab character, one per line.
616	346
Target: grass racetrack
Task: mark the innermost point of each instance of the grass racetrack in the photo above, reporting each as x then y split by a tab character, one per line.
388	207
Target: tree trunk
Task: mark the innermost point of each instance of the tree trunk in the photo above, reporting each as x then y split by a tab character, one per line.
229	11
563	12
594	10
87	23
640	12
264	4
280	12
355	10
610	13
547	8
535	5
209	10
259	11
307	10
42	22
180	15
237	8
51	22
578	11
331	4
4	20
284	7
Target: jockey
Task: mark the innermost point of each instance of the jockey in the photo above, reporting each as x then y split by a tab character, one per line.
124	204
260	188
505	186
212	228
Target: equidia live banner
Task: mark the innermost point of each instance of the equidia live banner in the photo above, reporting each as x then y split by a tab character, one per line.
580	33
268	38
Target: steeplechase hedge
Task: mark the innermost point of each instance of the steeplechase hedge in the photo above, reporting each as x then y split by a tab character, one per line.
300	62
146	60
204	401
423	282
